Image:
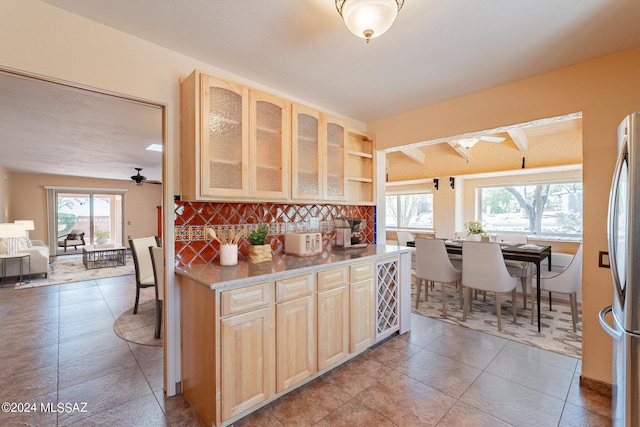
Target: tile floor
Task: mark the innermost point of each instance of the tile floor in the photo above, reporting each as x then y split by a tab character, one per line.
57	345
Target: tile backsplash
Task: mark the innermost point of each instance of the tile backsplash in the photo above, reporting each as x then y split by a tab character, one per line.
193	246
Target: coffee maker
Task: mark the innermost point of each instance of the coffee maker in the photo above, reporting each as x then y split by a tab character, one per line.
348	233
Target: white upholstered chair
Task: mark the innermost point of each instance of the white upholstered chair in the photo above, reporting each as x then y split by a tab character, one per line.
433	265
520	269
402	237
484	269
142	262
568	281
157	262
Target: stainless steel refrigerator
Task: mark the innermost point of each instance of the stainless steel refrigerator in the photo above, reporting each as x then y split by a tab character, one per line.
624	255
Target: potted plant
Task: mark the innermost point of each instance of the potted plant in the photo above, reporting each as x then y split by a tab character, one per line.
102	236
474	230
259	250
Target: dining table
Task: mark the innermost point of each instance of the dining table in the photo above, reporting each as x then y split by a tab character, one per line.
532	253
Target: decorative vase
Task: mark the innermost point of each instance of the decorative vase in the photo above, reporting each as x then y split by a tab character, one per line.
228	255
259	253
102	240
475	237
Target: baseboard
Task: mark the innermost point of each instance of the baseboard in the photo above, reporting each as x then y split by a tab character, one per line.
598	386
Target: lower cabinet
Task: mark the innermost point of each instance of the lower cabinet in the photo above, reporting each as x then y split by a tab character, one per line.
333	326
247	360
362	300
296	341
246	345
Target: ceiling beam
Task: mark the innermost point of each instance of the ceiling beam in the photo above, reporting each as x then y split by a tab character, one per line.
464	152
519	138
414	154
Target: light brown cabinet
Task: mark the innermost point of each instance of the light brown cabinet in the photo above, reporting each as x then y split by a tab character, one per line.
295	331
361	303
244	345
333	317
234	141
361	168
247	358
270	142
247	351
238	143
318	149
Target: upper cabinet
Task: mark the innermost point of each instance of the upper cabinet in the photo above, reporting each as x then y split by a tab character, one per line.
307	154
318	155
335	135
270	136
224	138
242	144
361	168
235	141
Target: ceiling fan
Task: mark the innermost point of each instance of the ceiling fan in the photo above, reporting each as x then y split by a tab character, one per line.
139	179
470	142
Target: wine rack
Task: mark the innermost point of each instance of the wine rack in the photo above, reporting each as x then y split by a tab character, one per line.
387	298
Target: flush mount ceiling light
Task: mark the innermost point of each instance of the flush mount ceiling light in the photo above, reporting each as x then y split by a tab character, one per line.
470	142
139	179
368	18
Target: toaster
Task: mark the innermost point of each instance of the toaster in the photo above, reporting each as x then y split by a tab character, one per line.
303	244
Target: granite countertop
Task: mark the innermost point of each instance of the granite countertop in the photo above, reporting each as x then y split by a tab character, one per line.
217	277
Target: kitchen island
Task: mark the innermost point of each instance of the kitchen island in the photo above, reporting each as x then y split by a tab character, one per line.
251	333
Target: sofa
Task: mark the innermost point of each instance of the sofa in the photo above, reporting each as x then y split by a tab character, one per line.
38	255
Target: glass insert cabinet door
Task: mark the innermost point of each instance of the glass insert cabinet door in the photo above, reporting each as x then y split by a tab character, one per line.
336	137
306	154
270	135
224	137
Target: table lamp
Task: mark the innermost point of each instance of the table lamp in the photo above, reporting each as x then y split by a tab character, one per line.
11	232
27	223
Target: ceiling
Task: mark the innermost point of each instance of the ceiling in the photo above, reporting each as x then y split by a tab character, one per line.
55	129
436	50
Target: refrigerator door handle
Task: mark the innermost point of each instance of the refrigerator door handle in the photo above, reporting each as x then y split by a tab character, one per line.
617	335
613	214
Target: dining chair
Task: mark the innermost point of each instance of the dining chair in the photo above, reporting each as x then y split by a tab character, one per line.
157	263
520	269
568	281
402	237
484	269
433	265
142	263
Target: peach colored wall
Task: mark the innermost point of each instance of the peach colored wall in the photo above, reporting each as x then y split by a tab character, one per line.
605	90
4	195
29	201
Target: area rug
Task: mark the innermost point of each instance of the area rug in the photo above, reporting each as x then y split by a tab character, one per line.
69	268
556	332
138	328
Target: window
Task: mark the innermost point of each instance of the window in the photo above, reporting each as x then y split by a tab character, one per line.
410	211
553	209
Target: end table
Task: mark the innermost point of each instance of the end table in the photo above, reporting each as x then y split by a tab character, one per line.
19	256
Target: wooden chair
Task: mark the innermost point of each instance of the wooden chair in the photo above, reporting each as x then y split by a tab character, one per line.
483	269
157	263
433	265
568	281
142	262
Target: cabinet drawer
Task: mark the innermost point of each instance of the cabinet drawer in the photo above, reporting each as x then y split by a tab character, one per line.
361	272
332	278
293	288
243	299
